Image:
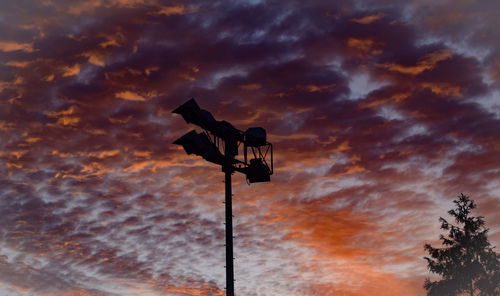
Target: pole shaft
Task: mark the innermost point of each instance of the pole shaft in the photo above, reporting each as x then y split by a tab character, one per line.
229	224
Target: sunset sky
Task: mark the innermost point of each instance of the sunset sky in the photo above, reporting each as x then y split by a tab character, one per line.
380	113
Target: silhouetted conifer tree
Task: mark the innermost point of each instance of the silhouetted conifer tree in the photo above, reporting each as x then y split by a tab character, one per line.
466	262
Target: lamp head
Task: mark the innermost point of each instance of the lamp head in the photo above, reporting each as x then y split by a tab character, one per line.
226	131
190	142
200	144
192	113
258	171
255	137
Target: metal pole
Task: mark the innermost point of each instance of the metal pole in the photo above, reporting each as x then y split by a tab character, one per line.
229	222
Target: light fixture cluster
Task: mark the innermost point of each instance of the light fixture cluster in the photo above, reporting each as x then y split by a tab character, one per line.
220	142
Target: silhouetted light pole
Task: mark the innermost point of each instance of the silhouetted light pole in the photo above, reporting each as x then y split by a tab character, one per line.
219	143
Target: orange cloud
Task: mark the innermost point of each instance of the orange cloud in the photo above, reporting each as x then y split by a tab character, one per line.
364	45
49	77
428	62
315	88
393	99
319	226
206	291
8	46
60	154
187	76
17	153
251	86
344	146
130	96
171	10
363	278
18	64
113	40
444	89
102	154
355	169
368	19
32	139
95	168
145	154
71	70
175	10
152	69
70	111
152	165
4	125
68	120
95	59
81	7
65	117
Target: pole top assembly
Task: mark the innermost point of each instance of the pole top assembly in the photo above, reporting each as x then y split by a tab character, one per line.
257	161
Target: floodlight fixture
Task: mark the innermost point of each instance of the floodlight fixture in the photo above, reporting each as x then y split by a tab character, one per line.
200	144
226	131
189	142
219	143
192	113
258	172
255	137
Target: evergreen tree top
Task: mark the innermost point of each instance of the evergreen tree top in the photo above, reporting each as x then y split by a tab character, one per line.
466	262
